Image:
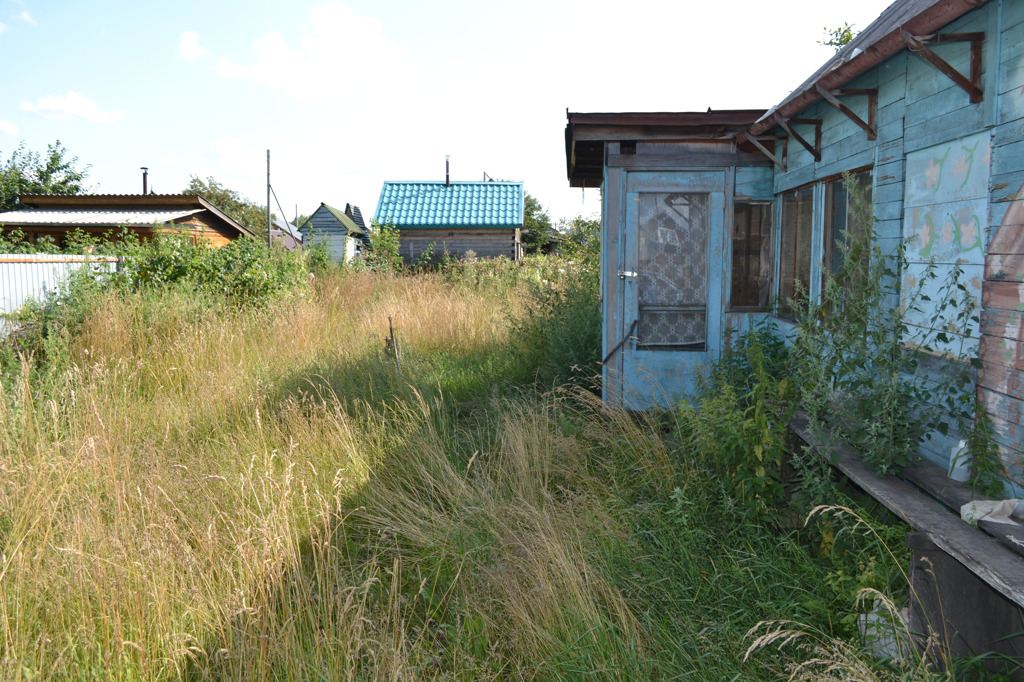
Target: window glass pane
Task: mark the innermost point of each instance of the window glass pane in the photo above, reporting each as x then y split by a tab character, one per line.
672	274
751	256
846	222
795	256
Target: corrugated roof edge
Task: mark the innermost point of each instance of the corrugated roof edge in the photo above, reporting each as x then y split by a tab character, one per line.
134	200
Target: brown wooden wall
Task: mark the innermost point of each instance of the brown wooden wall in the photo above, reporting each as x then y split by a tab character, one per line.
485	243
1001	379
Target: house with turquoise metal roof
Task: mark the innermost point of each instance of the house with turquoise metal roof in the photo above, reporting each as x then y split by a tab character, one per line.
454	217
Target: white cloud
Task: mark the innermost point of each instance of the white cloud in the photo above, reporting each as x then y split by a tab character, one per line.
27	18
72	105
4	27
9	127
339	55
189	48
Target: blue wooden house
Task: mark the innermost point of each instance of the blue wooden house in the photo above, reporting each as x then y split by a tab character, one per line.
714	220
341	232
454	217
711	219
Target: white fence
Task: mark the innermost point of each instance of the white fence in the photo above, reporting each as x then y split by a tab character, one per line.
25	276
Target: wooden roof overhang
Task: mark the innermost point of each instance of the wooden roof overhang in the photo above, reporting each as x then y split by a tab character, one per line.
586	134
906	24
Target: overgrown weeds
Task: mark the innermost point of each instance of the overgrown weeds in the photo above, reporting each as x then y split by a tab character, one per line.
207	491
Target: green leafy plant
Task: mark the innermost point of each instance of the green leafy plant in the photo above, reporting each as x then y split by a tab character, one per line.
864	376
741	417
838	37
382	254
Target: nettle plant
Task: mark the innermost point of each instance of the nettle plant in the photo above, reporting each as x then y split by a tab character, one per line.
873	378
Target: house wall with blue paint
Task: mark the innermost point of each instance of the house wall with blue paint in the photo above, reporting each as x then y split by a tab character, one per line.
941	167
945	175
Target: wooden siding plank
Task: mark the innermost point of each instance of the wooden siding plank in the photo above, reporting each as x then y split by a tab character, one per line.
1008	158
686	160
887	211
1002	379
1007	133
1004	268
998	346
1004	295
754	183
1013	15
1009	237
1005	411
1011	105
998	323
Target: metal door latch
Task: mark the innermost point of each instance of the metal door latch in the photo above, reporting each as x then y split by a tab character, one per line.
623	274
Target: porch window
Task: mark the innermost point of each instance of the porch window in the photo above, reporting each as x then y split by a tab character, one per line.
751	256
795	249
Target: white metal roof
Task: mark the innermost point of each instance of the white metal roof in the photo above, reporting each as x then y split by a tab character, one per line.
137	217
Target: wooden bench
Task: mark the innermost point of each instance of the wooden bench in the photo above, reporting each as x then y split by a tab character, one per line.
967	584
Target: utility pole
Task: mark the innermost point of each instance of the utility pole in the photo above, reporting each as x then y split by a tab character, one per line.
270	239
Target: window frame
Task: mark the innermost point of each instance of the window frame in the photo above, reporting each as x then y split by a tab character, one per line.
780	308
765	259
822	241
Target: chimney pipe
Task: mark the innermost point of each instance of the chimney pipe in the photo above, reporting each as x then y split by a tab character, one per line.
145	178
447	178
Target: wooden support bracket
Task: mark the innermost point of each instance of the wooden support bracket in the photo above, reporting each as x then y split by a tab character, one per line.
832	97
814	149
747	137
919	46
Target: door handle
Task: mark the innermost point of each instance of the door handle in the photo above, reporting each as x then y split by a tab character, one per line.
623	274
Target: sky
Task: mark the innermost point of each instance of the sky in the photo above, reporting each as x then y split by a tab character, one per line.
349	94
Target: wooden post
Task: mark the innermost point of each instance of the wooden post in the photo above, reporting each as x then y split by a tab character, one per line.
394	345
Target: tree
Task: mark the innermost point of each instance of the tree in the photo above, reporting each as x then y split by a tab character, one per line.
247	213
536	225
838	37
581	239
29	172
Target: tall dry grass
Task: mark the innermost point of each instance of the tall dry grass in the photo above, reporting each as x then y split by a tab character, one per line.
193	491
206	493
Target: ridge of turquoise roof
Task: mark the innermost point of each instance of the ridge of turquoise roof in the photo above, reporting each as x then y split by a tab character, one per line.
427	204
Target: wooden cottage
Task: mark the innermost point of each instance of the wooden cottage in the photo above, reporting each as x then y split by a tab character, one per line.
712	221
454	217
339	230
54	216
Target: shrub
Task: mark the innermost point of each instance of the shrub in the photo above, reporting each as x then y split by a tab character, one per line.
559	334
741	416
382	255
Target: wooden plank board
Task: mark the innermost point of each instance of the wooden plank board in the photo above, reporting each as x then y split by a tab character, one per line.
1009	235
934	481
1003	295
1002	324
1005	268
984	556
686	160
1002	379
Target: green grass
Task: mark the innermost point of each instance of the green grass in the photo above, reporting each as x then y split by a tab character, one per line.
197	492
